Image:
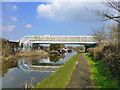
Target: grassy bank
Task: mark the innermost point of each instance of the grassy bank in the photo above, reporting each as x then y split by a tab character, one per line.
60	78
101	75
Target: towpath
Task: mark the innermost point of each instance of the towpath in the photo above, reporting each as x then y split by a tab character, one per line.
81	75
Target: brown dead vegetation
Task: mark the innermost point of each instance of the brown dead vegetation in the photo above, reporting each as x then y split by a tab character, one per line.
33	53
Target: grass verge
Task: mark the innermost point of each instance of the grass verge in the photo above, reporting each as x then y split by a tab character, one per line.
101	75
61	77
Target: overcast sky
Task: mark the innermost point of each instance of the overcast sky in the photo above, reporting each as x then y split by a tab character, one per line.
50	18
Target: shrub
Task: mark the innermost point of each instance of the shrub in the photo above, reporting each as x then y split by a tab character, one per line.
5	48
112	59
96	53
110	55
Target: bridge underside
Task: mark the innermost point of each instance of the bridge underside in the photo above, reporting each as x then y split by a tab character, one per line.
29	46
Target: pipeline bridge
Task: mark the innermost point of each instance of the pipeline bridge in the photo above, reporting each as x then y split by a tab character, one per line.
28	41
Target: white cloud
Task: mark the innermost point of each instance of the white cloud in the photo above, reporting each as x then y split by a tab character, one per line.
13	18
69	11
28	26
8	28
14	7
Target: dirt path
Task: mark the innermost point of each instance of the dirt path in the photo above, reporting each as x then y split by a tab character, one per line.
81	75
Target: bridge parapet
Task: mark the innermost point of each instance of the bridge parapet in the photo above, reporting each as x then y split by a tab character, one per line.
58	38
62	38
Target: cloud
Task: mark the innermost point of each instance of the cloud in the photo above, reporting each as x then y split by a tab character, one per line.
69	11
8	28
28	26
13	18
14	7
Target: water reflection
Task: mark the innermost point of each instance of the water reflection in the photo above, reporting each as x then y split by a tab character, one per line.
56	57
6	65
15	73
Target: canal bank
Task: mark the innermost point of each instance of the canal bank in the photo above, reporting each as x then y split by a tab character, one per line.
92	74
61	78
81	75
29	71
86	73
101	76
33	53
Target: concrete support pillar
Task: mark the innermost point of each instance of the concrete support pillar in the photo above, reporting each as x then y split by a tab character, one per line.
85	48
24	46
31	46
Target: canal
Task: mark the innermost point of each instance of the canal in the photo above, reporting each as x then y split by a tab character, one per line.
30	71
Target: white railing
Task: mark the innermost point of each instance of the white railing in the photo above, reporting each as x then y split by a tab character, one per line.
61	38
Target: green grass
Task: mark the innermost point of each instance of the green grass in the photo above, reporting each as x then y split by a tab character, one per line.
101	75
61	77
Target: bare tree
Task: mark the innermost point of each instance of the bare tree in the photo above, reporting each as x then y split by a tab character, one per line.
106	15
100	36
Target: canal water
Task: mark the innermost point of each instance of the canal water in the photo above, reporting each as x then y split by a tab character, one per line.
30	71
